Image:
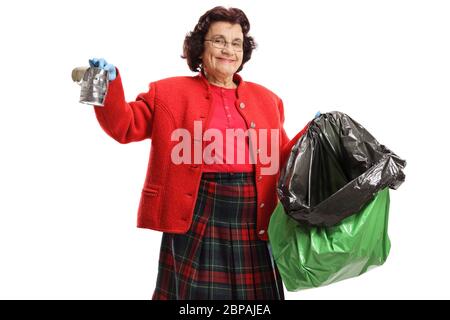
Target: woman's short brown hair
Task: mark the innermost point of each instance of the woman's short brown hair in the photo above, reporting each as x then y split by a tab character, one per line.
194	42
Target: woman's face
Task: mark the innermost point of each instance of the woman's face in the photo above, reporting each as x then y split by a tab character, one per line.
223	63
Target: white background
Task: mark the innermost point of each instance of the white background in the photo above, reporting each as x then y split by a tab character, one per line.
69	193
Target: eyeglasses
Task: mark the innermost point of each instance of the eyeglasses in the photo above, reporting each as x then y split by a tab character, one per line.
221	43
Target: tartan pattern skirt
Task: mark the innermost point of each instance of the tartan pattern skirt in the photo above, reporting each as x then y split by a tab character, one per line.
220	257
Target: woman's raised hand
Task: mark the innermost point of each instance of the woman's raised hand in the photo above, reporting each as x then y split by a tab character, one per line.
102	64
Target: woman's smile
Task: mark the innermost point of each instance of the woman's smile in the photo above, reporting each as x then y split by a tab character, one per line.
225	60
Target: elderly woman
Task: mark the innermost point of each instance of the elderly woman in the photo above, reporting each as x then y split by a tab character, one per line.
213	210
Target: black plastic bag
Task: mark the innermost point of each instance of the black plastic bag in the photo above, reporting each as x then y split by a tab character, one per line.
334	169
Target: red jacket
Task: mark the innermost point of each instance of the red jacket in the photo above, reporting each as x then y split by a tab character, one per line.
170	190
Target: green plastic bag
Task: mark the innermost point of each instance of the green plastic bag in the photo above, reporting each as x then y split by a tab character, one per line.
310	257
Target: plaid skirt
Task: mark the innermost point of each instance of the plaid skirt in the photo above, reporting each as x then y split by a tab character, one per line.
220	257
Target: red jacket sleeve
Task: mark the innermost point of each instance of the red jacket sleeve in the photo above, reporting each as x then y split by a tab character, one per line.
126	121
286	144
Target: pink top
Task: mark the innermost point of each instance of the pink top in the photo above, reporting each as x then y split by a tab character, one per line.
226	116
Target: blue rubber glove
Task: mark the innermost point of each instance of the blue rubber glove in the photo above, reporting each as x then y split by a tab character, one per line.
102	64
317	114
